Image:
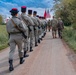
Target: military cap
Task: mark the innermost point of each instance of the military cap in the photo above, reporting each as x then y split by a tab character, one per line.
35	12
14	10
23	9
37	16
53	16
29	11
43	17
40	17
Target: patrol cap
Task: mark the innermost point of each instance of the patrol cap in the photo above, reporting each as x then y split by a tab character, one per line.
14	10
43	18
53	16
29	11
37	16
40	17
35	12
23	9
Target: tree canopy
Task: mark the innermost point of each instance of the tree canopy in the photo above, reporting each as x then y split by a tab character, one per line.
66	9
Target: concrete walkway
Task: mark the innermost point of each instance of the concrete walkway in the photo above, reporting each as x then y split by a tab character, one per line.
51	57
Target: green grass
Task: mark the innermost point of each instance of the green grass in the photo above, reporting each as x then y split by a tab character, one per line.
69	35
3	37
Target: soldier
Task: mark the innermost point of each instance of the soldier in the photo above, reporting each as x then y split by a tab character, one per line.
60	27
31	33
49	25
28	22
44	26
23	18
13	27
42	19
39	26
54	27
36	27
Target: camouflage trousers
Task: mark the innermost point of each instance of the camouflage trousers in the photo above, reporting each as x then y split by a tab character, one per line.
26	41
15	39
36	34
31	36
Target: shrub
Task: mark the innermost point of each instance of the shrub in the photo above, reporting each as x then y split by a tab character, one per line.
69	35
74	26
3	37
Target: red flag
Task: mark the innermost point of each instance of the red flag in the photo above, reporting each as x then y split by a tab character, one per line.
47	14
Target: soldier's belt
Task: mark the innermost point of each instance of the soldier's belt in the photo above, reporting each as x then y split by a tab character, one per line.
36	26
15	33
30	25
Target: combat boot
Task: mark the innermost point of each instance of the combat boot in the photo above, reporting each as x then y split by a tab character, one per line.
49	30
31	49
25	55
38	40
36	44
11	65
61	37
44	33
21	60
41	38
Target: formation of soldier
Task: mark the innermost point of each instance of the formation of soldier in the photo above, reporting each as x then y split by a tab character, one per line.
56	25
25	31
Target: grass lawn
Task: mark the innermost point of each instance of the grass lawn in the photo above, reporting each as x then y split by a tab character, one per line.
3	37
69	35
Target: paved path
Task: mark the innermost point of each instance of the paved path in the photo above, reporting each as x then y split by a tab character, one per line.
51	57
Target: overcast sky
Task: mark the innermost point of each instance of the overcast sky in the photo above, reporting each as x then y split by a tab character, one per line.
38	5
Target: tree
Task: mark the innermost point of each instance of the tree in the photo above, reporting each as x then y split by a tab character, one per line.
66	9
1	19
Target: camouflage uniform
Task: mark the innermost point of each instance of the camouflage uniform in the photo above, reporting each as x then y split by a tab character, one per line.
35	29
60	27
44	26
54	27
39	29
27	22
31	33
15	37
49	25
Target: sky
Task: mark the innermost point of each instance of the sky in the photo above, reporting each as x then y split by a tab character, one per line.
37	5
